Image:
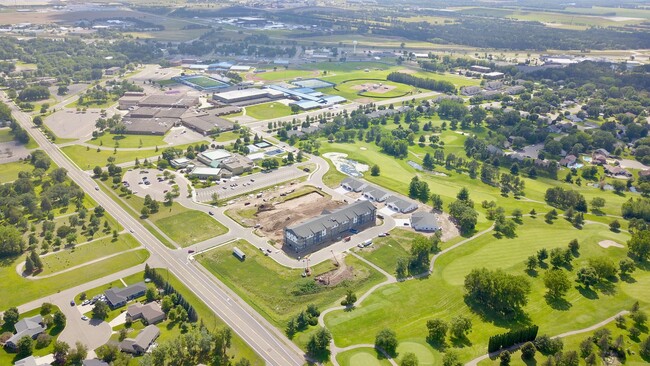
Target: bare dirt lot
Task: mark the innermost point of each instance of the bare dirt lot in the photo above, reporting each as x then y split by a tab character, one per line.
12	151
377	88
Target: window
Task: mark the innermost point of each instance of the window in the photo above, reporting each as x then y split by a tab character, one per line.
323	233
354	220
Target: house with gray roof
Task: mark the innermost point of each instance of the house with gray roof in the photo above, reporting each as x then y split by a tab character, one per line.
94	362
30	361
142	341
117	297
375	194
424	221
330	226
26	327
151	313
401	205
353	185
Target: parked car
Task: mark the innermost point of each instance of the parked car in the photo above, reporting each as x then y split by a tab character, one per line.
306	170
190	251
211	213
72	303
97	188
347	238
84	318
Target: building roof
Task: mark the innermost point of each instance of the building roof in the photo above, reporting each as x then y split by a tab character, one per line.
326	221
353	183
375	192
236	161
27	327
218	154
400	203
149	312
424	219
250	93
153	125
142	341
165	100
208	122
118	295
94	362
205	171
31	361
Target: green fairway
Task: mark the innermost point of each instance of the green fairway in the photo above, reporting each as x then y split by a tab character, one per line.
405	307
268	111
190	227
9	171
269	287
361	356
89	158
16	290
128	141
67	258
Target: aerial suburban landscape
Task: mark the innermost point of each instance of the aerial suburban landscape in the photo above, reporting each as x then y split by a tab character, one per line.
324	182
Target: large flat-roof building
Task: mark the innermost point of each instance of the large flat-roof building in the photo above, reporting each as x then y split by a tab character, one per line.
250	96
206	123
213	158
237	164
330	226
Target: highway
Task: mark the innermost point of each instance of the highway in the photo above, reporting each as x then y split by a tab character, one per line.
263	337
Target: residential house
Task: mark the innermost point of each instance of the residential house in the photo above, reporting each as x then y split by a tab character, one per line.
330	226
616	171
375	194
94	362
568	160
401	205
30	361
602	151
598	159
353	185
26	327
142	341
424	221
117	297
644	175
150	312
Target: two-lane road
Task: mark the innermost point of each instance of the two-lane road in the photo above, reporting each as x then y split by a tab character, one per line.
263	337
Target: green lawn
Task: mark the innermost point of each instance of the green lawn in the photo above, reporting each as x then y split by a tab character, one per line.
128	141
268	287
67	258
182	225
8	358
9	171
227	136
16	290
268	111
190	227
405	307
239	348
94	104
89	158
361	356
385	251
5	134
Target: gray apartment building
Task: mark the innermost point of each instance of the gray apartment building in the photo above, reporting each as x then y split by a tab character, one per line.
330	226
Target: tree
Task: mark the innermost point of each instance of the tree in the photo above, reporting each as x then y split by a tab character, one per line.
460	326
497	290
25	346
504	358
587	276
409	359
548	345
78	354
10	317
644	348
574	247
374	171
615	226
100	310
401	269
386	340
531	263
29	265
604	267
59	320
60	351
626	266
528	351
597	204
542	254
639	245
557	283
451	358
350	299
318	345
437	331
436	202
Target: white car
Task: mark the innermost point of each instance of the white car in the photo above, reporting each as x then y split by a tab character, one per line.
84	318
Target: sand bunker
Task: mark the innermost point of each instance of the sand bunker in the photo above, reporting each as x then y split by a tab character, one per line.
610	243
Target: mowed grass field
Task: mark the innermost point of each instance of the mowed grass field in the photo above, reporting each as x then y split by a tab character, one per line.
16	290
405	307
127	141
268	287
81	254
89	158
282	74
182	225
9	171
268	110
361	356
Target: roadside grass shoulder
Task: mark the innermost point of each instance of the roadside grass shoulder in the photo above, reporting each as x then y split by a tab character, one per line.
284	296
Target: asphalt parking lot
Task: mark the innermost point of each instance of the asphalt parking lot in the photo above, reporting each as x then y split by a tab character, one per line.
156	189
249	183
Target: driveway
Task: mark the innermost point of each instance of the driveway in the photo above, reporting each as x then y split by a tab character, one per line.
253	182
93	333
